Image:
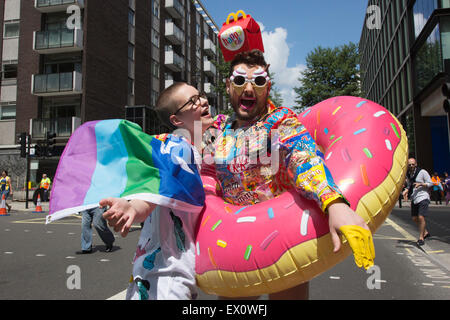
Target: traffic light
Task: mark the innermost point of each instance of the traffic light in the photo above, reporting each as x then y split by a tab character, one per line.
23	145
38	150
446	93
51	141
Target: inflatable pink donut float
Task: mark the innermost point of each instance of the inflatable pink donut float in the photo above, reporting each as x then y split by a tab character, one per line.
280	243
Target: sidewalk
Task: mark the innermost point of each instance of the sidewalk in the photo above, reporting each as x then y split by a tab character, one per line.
431	205
20	206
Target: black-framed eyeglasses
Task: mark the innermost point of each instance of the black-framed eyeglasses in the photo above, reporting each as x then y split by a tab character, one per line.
194	100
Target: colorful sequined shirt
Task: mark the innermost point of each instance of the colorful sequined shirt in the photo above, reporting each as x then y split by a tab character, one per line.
263	159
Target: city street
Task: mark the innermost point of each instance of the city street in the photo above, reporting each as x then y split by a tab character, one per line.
38	262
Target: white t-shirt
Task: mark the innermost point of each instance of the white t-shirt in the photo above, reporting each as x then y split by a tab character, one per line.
421	193
164	263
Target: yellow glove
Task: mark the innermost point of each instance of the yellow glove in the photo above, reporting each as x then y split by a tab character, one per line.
361	242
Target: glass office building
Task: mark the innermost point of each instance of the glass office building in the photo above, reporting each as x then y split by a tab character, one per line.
405	61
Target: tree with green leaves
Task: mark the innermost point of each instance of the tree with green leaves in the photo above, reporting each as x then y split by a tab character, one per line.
329	72
223	69
275	94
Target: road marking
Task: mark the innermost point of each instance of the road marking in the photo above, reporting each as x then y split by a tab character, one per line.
104	260
40	255
43	220
383	237
70	257
436	251
402	231
335	278
8	252
428	284
120	296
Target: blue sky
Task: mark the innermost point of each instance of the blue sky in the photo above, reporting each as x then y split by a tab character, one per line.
293	28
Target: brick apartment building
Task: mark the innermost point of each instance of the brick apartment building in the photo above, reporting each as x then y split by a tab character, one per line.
65	62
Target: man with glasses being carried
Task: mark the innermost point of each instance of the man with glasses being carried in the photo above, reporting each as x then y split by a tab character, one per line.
418	182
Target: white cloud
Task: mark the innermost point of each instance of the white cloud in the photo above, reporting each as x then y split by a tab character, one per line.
277	53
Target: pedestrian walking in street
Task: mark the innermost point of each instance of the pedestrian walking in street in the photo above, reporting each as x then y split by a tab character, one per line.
95	216
447	188
418	183
5	187
45	185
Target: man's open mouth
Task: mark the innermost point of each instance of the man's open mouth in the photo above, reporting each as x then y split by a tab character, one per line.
247	103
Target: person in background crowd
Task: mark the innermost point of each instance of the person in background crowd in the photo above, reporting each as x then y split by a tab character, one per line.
95	216
418	182
446	188
45	186
437	188
5	187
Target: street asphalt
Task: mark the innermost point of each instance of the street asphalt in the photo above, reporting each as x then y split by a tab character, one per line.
38	261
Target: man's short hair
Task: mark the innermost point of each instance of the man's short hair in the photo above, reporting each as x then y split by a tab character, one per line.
251	58
166	105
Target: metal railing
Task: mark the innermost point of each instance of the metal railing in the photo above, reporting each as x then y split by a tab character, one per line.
61	126
48	3
53	82
172	29
54	39
176	5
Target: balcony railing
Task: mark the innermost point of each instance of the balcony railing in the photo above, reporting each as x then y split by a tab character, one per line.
174	61
210	47
57	84
175	8
56	5
63	127
168	83
173	33
209	68
58	41
208	88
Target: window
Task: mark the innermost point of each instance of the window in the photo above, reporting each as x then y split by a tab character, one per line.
155	8
9	71
7	112
11	30
130	86
155	69
131	17
428	62
422	11
155	38
153	97
130	51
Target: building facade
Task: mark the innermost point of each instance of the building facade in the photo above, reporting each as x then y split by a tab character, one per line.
65	62
405	52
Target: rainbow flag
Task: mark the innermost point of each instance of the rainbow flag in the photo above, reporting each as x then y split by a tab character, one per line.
114	158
